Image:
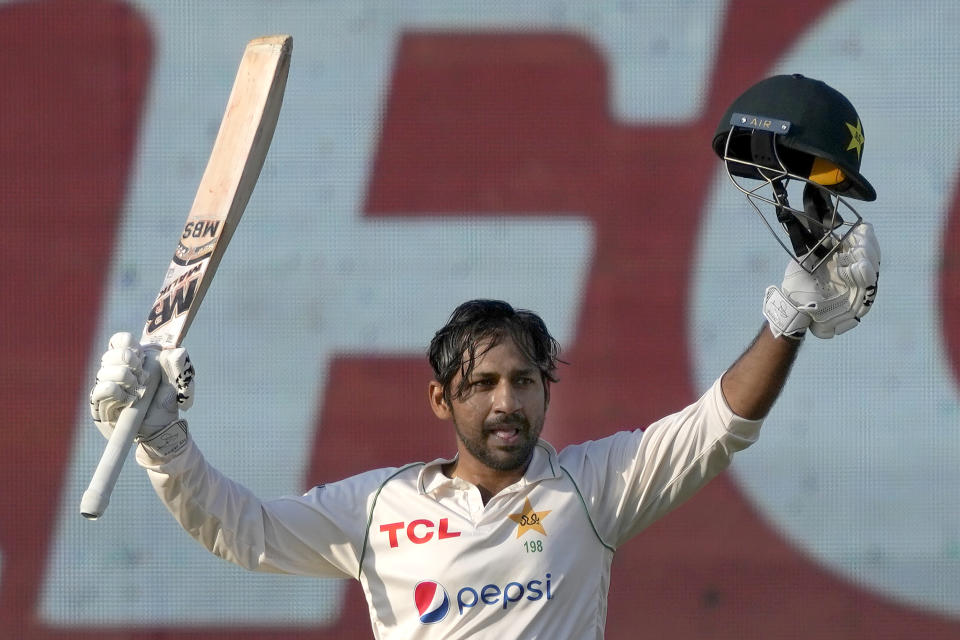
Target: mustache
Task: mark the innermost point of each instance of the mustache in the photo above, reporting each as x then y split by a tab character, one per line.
510	419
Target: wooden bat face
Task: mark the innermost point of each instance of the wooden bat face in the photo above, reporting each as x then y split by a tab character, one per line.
231	174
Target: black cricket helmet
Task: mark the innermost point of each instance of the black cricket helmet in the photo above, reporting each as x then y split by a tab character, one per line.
792	129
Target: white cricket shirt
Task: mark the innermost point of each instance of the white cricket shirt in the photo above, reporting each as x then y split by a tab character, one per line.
434	561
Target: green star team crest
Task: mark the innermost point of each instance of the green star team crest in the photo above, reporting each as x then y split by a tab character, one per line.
856	137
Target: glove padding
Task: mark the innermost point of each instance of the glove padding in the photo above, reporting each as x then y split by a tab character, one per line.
832	299
121	380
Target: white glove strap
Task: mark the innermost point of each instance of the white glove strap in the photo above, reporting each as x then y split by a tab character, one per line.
783	317
168	441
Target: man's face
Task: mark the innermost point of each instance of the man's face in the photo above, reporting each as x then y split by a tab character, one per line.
500	415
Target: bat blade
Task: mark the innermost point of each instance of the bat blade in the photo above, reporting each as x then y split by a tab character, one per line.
232	171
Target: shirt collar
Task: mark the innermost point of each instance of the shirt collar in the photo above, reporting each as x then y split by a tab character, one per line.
543	466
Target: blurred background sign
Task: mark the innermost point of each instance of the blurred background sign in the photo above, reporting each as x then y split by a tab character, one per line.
554	154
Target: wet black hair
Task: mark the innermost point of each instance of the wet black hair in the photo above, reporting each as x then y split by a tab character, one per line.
483	324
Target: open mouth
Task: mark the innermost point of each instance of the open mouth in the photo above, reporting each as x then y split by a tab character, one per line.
507	435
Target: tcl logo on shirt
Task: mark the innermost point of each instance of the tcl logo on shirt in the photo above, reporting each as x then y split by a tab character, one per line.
418	531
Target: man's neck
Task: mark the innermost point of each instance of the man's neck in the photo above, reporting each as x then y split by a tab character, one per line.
487	480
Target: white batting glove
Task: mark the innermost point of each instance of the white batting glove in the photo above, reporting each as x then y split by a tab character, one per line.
121	380
832	299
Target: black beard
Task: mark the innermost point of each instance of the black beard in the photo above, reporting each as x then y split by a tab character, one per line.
506	460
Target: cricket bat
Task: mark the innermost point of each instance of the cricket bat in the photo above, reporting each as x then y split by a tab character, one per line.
231	174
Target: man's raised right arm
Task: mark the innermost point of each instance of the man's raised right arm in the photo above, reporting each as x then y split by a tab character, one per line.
315	534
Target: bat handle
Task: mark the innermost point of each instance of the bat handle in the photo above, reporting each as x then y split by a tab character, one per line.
97	495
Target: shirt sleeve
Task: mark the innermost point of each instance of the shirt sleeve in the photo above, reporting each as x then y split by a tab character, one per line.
317	534
632	478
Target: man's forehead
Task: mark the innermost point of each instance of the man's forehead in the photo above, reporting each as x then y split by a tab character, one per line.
492	355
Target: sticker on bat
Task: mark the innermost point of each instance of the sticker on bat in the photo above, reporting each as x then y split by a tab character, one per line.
200	229
198	240
171	305
173	279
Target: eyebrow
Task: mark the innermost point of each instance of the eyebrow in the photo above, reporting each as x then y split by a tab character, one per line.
525	371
